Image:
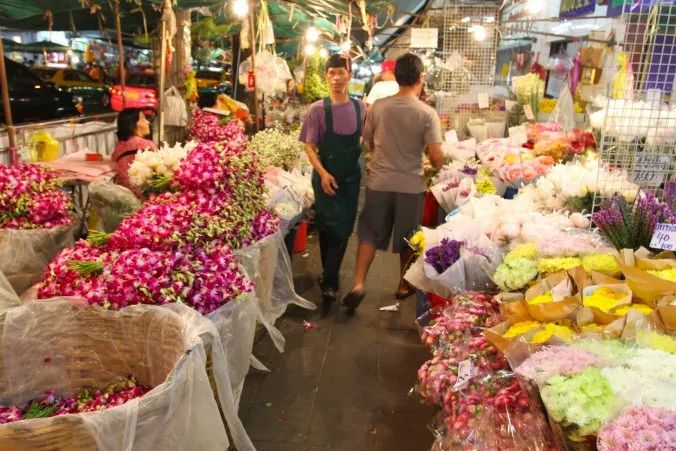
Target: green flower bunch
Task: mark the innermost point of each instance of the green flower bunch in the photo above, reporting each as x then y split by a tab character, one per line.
515	273
584	401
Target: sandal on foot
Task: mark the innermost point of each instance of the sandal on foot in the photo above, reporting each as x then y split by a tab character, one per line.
352	300
404	294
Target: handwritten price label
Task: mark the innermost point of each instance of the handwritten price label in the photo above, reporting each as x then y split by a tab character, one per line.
649	170
484	100
466	371
664	237
528	111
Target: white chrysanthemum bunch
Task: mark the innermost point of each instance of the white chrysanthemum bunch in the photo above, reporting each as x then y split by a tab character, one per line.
149	164
276	148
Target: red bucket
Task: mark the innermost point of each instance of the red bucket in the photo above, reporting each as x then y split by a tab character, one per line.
300	242
430	211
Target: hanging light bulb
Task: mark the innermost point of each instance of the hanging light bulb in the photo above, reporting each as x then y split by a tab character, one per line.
534	6
480	33
323	53
312	34
240	7
309	49
346	46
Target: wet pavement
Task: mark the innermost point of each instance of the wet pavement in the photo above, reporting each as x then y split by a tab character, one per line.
343	385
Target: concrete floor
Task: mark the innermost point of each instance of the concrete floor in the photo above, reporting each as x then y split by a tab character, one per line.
343	385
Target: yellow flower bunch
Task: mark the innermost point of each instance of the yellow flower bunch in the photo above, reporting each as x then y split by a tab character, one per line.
542	299
547	105
592	328
579	107
526	250
551	329
604	299
666	274
605	263
520	328
624	309
552	265
417	242
486	186
657	340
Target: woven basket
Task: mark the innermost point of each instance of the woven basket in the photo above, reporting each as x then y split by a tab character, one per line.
89	350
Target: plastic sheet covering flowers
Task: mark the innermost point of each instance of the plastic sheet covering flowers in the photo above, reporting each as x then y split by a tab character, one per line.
153	170
648	428
170	403
274	147
30	198
52	404
555	361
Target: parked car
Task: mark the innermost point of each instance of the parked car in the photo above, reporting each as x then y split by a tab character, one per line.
139	92
213	82
32	99
95	94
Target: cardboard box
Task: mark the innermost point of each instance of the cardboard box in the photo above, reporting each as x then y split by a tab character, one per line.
592	57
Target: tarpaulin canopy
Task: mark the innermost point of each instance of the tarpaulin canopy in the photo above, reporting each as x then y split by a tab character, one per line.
43	46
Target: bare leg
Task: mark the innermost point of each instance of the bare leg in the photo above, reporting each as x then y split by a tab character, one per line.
365	254
406	258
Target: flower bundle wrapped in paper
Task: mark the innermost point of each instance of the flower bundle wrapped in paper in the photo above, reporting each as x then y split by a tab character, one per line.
35	222
457	182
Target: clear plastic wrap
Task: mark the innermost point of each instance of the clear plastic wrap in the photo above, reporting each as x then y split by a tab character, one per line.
8	297
65	345
25	253
112	202
268	265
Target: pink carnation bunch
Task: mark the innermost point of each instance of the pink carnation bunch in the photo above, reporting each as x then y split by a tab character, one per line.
30	198
645	428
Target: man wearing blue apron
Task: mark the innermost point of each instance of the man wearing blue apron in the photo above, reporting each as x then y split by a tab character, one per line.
332	133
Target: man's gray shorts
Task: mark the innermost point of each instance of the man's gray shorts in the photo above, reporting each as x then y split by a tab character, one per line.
387	214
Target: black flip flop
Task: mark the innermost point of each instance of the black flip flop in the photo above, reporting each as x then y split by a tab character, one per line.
352	300
404	294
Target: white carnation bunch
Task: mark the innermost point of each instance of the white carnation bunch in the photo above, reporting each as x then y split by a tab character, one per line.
150	165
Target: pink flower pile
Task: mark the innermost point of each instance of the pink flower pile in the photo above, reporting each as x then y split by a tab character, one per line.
208	126
644	428
555	361
30	198
203	278
454	337
84	401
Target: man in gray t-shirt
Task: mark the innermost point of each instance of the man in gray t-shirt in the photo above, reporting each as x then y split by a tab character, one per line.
397	130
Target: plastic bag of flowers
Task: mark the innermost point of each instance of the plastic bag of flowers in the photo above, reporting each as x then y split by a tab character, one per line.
52	351
497	414
112	203
35	222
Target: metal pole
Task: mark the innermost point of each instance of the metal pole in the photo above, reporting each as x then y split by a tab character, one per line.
120	51
163	69
252	44
5	105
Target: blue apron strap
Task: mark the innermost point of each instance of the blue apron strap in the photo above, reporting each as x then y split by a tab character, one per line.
357	109
328	116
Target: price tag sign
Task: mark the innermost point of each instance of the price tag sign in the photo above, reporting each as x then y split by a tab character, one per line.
664	237
649	169
484	101
528	111
466	371
424	38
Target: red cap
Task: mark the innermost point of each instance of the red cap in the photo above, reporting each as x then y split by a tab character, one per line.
387	65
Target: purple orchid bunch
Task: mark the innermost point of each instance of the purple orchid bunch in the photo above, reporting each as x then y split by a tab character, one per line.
631	225
205	278
30	198
444	255
649	428
207	127
51	404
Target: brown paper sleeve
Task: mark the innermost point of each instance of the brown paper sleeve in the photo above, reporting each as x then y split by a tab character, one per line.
647	287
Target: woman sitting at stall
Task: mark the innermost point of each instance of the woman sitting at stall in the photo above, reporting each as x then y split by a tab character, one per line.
132	130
